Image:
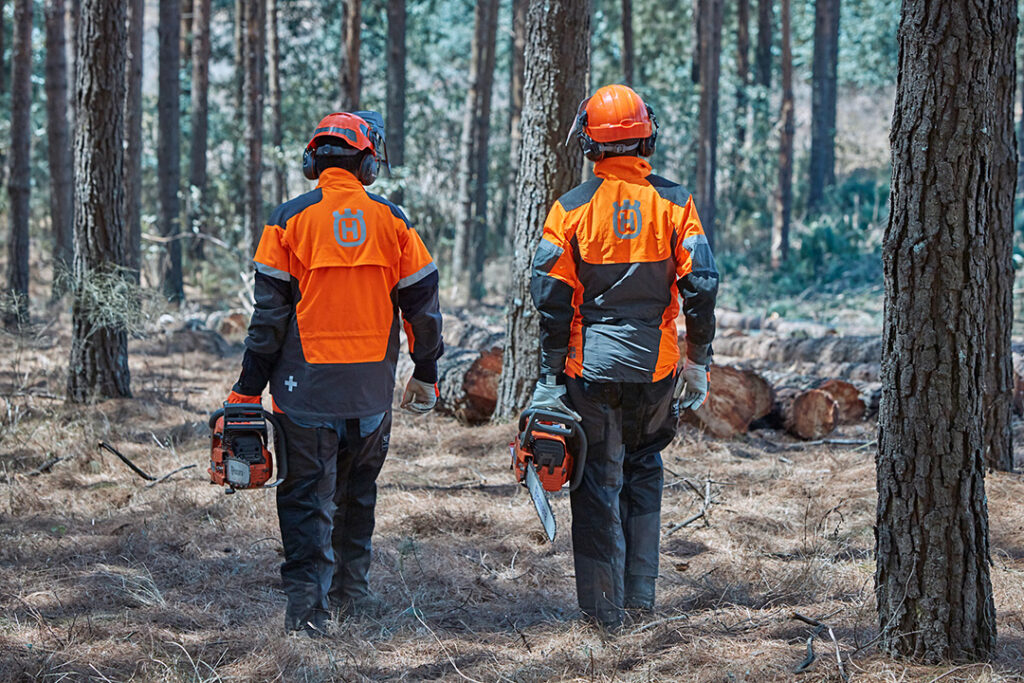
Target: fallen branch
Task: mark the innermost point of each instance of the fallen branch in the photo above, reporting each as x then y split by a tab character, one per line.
45	467
706	503
105	446
168	475
818	628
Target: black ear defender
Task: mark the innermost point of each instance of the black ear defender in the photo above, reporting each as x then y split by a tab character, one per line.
309	169
368	169
647	144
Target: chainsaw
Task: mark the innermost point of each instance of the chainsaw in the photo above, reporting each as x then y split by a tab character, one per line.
549	451
240	457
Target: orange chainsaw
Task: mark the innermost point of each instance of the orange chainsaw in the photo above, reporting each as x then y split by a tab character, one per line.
549	452
240	457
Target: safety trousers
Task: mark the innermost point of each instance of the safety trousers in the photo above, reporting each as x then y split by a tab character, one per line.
616	511
326	512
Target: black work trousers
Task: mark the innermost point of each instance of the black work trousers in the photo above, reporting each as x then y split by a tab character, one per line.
325	508
616	511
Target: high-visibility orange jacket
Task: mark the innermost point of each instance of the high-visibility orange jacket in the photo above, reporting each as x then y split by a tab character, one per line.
334	268
616	253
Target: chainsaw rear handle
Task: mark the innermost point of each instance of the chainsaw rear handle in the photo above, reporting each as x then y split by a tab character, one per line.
280	450
563	426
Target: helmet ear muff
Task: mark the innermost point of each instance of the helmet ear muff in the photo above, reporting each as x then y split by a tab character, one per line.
591	149
368	169
647	144
309	164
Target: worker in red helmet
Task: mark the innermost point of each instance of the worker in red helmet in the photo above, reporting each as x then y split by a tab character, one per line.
617	254
336	270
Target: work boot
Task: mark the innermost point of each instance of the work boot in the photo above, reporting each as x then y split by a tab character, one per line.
640	593
313	623
367	605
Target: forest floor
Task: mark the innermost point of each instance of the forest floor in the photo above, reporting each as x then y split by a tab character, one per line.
105	578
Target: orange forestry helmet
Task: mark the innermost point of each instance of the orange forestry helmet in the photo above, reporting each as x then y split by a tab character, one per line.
361	131
614	119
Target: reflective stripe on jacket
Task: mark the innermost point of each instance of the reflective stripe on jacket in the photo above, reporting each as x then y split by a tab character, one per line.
334	268
616	253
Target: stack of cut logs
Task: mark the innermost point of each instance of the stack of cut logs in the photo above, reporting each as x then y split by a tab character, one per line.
800	377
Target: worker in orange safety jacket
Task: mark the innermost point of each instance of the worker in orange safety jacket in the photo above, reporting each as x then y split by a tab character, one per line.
617	253
334	269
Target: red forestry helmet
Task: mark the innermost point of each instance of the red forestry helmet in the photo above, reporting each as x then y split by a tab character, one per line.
614	119
361	131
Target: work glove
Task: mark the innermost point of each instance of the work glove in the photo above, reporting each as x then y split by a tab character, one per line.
692	385
548	395
419	397
235	397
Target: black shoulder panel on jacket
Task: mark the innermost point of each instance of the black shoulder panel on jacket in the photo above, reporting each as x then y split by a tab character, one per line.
580	195
395	209
293	207
668	190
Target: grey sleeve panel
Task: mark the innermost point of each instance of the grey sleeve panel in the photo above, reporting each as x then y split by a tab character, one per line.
421	310
580	195
553	299
668	190
423	272
699	290
700	253
546	257
275	306
295	206
272	272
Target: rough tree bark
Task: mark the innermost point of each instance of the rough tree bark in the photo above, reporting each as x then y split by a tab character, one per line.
823	101
742	74
557	56
133	138
932	579
515	106
200	109
99	353
762	72
255	18
710	48
784	190
348	70
168	151
59	145
396	89
277	176
3	55
19	176
627	41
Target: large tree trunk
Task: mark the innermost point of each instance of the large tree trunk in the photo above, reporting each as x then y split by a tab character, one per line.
200	109
932	580
20	176
133	138
710	47
99	351
823	101
557	56
255	17
784	190
277	177
396	89
348	70
59	145
627	41
169	148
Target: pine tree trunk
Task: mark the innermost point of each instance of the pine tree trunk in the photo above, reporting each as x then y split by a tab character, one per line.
707	145
99	354
482	131
506	225
784	191
3	60
627	41
238	46
187	13
278	182
932	579
169	149
762	74
823	101
348	72
133	138
59	145
19	178
742	72
200	45
396	86
255	18
556	59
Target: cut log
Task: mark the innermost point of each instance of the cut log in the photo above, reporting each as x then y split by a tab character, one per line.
851	406
810	414
468	383
737	398
832	349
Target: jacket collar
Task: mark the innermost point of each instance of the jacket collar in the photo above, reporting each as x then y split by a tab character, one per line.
628	168
337	178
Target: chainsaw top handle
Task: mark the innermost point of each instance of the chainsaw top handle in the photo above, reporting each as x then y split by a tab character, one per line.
280	449
556	424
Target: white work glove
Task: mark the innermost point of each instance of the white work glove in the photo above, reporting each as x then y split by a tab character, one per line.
548	395
692	385
419	397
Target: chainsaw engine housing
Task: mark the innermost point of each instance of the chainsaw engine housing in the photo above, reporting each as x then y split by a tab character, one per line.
240	455
549	442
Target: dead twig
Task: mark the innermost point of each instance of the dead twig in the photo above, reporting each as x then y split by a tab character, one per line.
46	466
819	626
707	500
167	476
107	447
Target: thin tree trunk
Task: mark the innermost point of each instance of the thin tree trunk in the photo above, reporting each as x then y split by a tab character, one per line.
707	154
556	60
1020	136
627	41
133	138
169	148
59	146
277	185
763	55
348	73
187	14
200	110
254	52
239	56
823	101
98	365
742	72
478	246
396	86
3	59
19	178
505	225
784	191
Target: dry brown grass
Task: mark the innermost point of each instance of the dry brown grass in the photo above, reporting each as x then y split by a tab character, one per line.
105	579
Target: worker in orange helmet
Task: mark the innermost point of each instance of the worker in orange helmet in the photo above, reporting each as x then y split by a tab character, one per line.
335	269
617	253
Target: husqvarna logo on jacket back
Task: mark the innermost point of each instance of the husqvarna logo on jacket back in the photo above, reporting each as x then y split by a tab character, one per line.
628	221
349	228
